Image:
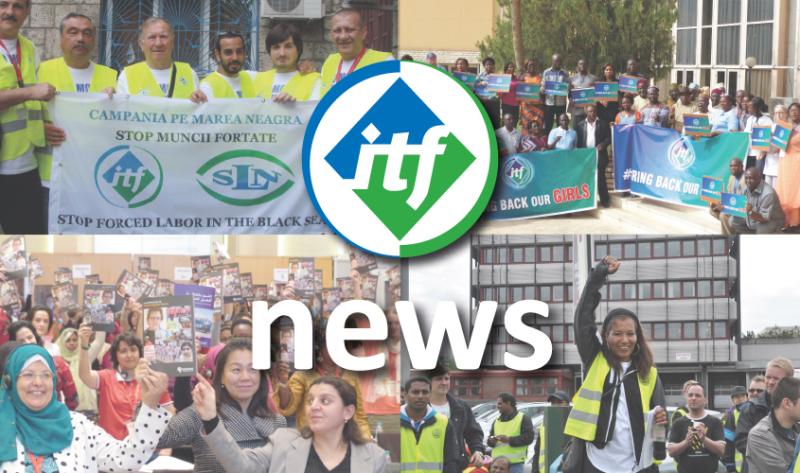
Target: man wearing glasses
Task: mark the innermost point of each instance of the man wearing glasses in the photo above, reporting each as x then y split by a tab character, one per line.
757	387
760	405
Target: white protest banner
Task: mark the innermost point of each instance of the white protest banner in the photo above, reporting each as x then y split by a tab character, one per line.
148	165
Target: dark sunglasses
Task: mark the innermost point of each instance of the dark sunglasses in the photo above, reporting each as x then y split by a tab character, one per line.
759	391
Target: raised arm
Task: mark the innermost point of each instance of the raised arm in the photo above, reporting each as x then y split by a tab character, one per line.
89	377
585	324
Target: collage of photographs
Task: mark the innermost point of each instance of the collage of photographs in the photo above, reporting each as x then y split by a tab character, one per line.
173	172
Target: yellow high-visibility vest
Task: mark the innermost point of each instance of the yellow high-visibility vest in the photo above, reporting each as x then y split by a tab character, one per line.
511	428
222	88
427	455
300	86
142	82
331	66
582	420
542	447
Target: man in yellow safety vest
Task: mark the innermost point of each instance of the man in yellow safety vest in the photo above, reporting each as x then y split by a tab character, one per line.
229	81
511	433
158	75
348	34
427	443
21	124
285	82
733	458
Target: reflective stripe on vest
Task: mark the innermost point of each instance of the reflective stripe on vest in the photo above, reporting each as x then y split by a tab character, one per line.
56	72
511	428
582	421
427	455
300	86
738	457
142	82
331	65
222	88
22	125
542	450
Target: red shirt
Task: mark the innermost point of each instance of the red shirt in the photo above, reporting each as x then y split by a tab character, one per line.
117	401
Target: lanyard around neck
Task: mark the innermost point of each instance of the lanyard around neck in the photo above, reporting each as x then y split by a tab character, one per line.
352	67
15	61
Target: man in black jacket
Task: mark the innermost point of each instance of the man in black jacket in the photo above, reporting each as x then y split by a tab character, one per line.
418	419
759	407
462	420
595	133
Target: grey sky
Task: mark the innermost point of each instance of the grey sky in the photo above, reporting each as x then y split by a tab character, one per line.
770	281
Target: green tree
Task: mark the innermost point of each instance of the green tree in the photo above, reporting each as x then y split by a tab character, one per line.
601	31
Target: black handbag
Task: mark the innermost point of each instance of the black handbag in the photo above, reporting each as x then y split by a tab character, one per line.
574	455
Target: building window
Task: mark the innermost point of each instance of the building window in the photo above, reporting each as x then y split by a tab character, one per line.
600	251
645	291
688	248
517	255
545	254
704	330
196	24
487	255
558	293
615	291
719	247
674	289
615	250
659	289
538	386
704	288
728	19
759	30
659	331
674	330
686	46
644	250
467	387
630	291
703	247
689	330
516	294
688	289
720	288
558	334
659	249
544	293
721	329
674	248
502	255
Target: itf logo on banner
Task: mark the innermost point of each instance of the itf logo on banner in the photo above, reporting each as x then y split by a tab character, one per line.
681	154
517	172
128	176
400	159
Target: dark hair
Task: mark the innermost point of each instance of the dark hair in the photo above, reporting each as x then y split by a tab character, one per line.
416	379
5	351
509	64
642	357
509	398
280	32
138	318
351	432
241	321
19	325
787	388
793	105
407	57
187	344
258	404
759	104
129	338
70	16
227	35
441	368
485	60
43	308
350	11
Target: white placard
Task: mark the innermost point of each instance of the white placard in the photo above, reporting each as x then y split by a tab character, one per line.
280	274
183	273
80	271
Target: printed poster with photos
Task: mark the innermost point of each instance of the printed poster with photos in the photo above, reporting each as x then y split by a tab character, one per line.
169	334
246	280
43	295
301	275
63	275
144	263
10	300
369	287
317	281
362	262
66	296
35	269
98	306
286	344
213	279
345	287
128	285
331	297
231	282
13	257
203	298
164	287
149	276
93	279
199	266
260	292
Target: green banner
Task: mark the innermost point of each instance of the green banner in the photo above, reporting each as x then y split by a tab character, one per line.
545	183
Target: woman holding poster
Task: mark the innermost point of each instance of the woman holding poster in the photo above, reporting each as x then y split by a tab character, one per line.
619	371
788	183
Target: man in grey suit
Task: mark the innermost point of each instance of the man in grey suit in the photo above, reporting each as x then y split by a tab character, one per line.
764	212
594	132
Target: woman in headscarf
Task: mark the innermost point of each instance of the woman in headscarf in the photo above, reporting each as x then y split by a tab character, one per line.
621	399
47	437
69	345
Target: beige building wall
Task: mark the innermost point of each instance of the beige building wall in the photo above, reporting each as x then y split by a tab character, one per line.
450	28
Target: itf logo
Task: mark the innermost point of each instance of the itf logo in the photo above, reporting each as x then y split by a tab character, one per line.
517	172
681	154
400	159
128	177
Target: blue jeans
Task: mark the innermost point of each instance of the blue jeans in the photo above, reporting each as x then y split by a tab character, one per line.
516	468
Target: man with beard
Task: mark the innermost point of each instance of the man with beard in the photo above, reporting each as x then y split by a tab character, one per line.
696	440
285	82
348	33
229	81
427	442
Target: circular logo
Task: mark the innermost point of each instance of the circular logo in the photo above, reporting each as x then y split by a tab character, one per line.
128	176
400	159
733	201
517	172
681	154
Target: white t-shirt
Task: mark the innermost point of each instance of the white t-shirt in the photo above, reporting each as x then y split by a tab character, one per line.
162	77
235	83
443	409
617	455
82	78
26	162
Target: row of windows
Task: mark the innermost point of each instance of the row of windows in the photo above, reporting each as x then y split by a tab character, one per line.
703	330
543	292
524	386
555	253
558	333
650	290
652	249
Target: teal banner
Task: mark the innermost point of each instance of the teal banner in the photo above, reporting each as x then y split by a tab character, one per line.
545	183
